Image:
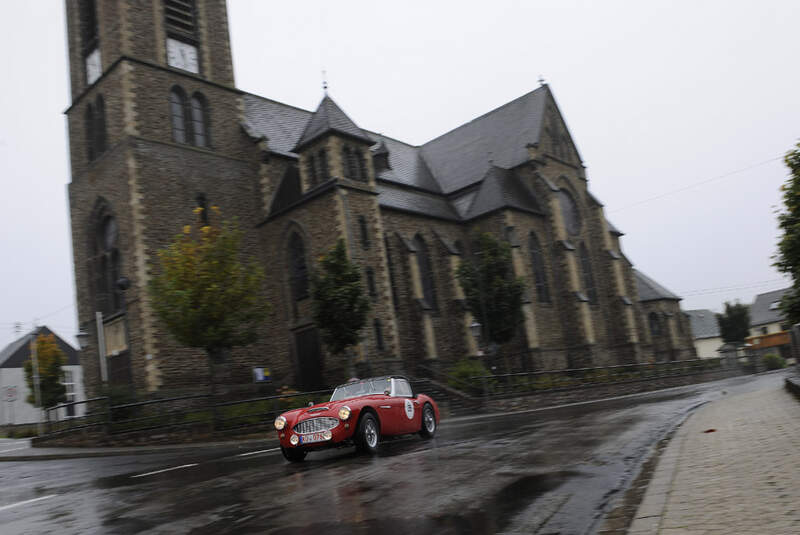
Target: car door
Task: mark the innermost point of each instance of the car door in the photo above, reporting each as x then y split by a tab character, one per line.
411	412
389	408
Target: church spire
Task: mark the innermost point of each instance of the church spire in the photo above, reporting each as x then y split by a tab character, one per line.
329	118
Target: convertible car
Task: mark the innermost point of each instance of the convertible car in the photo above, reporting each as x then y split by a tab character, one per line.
359	413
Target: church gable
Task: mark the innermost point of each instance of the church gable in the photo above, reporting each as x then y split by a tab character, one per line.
554	138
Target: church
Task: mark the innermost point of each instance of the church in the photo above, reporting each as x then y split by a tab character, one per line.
158	128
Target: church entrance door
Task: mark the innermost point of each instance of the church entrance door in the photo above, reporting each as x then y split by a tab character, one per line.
309	359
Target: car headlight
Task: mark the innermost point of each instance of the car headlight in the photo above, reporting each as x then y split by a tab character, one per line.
344	413
280	423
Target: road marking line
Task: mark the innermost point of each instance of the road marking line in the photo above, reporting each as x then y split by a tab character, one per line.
165	470
14	449
254	452
3	508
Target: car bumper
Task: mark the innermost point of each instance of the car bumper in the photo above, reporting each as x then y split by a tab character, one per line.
341	435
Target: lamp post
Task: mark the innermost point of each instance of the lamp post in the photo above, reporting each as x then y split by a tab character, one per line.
475	330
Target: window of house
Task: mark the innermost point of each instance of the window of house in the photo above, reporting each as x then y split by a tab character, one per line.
189	118
655	324
588	277
764	330
95	128
105	264
379	343
69	386
362	169
426	272
390	263
202	203
362	226
539	273
371	282
324	170
298	267
347	162
88	25
312	171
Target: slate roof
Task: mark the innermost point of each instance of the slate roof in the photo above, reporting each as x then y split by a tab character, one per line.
329	117
763	310
17	352
650	290
446	166
704	323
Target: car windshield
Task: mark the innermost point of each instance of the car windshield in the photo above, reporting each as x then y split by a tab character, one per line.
361	388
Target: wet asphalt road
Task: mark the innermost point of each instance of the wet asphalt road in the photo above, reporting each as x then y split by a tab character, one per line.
547	471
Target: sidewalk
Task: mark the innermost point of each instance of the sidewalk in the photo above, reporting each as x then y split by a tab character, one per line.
742	478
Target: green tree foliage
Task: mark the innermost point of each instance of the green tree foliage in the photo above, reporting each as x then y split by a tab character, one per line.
788	258
734	324
340	304
50	358
204	293
494	295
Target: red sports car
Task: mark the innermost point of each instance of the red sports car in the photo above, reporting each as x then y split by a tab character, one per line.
358	413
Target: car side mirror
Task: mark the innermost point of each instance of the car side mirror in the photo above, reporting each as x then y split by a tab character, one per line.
387	392
310	404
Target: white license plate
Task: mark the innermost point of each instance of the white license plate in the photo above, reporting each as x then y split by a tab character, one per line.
312	437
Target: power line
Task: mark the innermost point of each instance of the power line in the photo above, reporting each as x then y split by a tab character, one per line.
723	289
696	184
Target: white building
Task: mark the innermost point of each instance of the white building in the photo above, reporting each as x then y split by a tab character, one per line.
14	409
705	331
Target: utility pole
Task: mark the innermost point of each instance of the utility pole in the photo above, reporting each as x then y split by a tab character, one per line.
36	388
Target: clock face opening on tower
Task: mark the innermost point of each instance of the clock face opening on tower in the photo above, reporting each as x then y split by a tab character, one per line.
182	55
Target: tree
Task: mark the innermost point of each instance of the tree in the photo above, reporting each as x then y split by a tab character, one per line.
340	305
734	324
493	294
788	258
205	294
50	359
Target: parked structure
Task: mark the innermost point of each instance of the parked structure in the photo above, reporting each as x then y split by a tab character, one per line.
158	128
705	330
14	407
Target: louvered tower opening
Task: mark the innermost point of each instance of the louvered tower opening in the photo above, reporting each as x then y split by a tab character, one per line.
180	19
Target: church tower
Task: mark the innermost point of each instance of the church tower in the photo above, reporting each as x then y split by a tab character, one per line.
155	131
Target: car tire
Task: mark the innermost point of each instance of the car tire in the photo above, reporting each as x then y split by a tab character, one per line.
368	434
294	455
428	422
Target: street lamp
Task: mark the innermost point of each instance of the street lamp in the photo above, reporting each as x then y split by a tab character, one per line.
83	339
475	330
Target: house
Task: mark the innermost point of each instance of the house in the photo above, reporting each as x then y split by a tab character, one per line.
158	129
705	331
14	407
769	331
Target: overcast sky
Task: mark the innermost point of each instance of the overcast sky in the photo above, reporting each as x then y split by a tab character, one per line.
681	111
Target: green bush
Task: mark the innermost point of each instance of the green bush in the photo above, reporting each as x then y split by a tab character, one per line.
459	377
773	362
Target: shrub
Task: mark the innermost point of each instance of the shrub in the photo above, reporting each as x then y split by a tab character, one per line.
459	377
773	362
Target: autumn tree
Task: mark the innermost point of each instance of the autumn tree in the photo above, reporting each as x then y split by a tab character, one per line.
493	293
50	359
340	303
788	258
734	323
206	294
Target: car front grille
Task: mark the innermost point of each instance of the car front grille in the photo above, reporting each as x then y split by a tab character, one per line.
315	425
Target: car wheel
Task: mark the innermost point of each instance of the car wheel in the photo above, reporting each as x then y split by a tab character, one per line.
368	434
428	422
294	455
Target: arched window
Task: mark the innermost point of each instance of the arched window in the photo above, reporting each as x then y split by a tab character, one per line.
105	264
99	126
362	170
347	162
390	263
569	212
199	120
177	108
539	273
362	227
655	324
588	277
312	172
297	267
425	272
89	125
379	335
324	171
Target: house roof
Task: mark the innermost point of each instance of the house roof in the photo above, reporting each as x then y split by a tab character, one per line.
17	352
328	118
454	166
650	290
765	308
704	323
